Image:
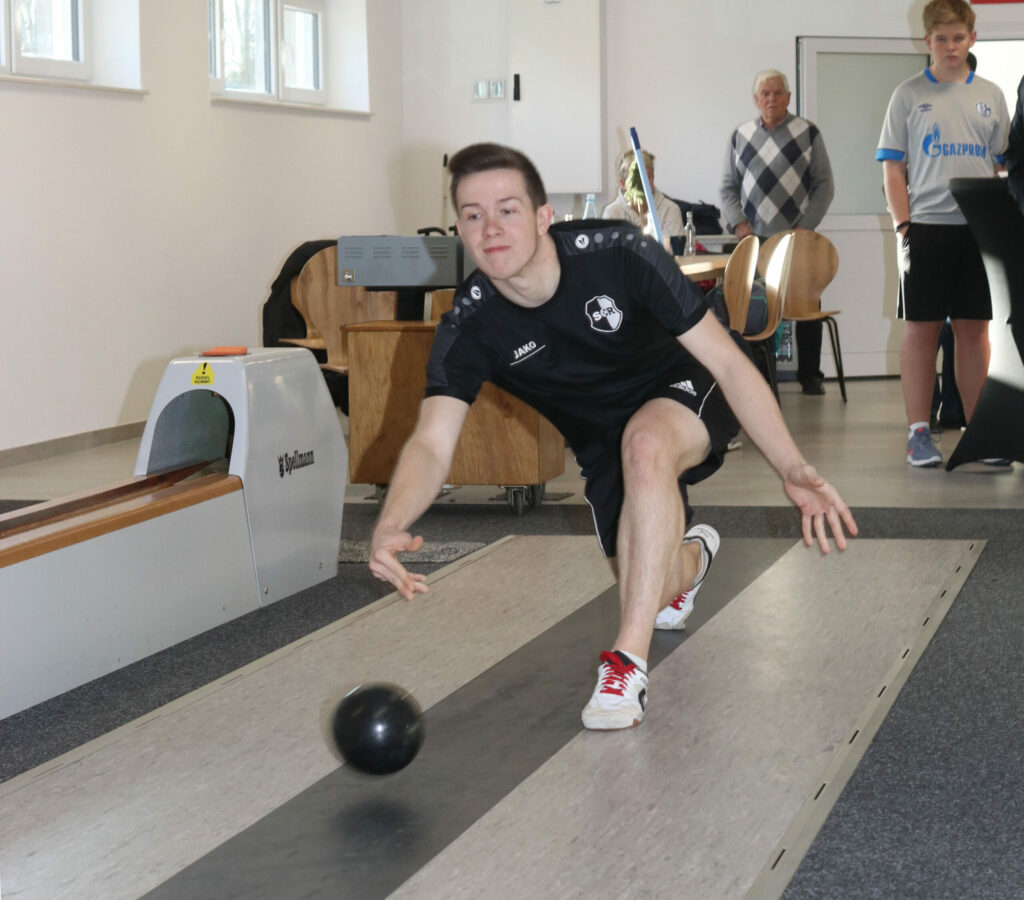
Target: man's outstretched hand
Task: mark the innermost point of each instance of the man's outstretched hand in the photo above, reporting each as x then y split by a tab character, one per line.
384	564
819	503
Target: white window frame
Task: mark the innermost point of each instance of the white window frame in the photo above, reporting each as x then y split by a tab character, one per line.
295	94
277	91
5	42
46	67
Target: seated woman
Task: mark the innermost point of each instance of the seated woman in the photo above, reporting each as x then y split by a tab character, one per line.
631	204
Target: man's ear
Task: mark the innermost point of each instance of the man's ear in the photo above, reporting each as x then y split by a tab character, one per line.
545	214
458	227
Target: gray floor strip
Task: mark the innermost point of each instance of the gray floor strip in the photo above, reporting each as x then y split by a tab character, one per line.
356	836
789	853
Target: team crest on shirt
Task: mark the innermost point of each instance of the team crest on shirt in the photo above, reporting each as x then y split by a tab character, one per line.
603	314
984	110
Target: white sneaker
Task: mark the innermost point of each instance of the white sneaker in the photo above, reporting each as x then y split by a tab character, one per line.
620	697
673	617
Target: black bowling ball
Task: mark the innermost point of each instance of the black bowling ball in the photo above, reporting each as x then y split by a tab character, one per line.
377	728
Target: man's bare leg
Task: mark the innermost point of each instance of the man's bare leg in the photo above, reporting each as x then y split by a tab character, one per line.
682	573
661	441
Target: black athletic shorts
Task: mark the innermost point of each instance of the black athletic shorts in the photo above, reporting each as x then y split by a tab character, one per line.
696	390
941	274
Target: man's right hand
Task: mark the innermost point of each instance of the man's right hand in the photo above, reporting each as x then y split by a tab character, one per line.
742	230
384	564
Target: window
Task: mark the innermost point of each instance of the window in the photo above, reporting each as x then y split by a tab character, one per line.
268	49
48	38
80	43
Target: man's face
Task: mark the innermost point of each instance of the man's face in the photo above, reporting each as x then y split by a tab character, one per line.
773	101
497	222
950	45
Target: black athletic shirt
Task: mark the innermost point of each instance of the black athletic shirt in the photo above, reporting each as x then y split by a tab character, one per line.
590	356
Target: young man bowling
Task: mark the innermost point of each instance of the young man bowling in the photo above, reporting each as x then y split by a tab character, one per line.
593	325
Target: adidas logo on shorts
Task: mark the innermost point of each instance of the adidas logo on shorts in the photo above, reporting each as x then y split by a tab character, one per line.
686	386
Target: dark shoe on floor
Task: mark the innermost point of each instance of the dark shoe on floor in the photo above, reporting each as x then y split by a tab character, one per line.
814	385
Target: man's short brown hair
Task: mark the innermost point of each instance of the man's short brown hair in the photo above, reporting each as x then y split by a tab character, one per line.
485	157
948	12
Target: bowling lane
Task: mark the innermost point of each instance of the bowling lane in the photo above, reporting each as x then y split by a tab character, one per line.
123	813
744	720
356	836
232	786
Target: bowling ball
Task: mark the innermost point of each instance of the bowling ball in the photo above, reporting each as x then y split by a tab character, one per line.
377	728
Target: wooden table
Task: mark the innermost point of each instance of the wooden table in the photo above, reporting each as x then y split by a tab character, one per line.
703	266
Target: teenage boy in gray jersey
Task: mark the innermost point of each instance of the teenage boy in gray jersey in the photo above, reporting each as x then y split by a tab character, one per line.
594	325
946	122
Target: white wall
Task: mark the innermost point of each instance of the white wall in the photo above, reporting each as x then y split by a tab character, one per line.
137	228
680	71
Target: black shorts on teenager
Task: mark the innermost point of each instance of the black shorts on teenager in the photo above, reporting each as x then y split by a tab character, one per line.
696	390
941	274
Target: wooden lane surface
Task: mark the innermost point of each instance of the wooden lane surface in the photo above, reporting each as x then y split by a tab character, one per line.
45	527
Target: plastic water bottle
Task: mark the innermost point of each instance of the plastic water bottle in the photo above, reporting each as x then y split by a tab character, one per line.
590	208
785	351
691	236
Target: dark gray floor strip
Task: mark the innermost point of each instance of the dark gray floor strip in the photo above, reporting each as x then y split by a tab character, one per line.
791	850
357	836
936	807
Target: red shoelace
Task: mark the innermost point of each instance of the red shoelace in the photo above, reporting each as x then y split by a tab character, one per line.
613	681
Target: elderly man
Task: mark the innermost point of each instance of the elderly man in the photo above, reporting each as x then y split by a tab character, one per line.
777	177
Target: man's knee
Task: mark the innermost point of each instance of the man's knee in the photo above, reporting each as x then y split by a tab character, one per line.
660	447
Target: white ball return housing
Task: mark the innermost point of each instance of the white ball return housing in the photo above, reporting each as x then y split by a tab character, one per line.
93	582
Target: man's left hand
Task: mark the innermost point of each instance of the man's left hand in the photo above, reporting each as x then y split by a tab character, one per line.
819	503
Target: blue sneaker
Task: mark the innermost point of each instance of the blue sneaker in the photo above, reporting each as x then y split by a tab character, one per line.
921	451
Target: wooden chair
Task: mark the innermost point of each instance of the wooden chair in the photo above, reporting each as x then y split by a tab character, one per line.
764	254
739	276
813	264
331	307
313	339
762	345
440	303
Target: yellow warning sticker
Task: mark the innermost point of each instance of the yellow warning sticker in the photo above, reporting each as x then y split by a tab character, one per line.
203	375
